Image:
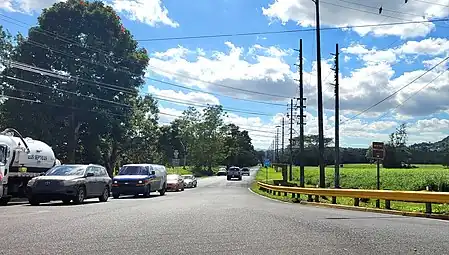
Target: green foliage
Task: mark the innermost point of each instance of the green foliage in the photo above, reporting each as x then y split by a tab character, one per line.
96	51
363	176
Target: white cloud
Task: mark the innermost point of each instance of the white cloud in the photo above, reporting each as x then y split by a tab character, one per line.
264	70
184	98
344	14
428	46
167	115
150	12
26	6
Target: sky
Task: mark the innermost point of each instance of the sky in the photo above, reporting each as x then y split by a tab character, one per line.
389	74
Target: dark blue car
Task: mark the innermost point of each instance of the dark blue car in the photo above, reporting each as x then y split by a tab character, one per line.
139	179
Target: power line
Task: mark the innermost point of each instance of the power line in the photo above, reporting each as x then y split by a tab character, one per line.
212	93
383	10
412	95
422	1
104	85
398	90
33	101
128	72
408	98
287	31
65	39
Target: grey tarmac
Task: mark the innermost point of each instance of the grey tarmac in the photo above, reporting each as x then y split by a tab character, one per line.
217	217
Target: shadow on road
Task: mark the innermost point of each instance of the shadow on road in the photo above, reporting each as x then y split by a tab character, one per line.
62	204
136	197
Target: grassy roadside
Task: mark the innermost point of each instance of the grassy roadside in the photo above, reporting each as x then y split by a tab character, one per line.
358	173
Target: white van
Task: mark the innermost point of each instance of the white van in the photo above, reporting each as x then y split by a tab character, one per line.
136	179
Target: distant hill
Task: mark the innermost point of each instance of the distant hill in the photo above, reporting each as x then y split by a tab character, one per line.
436	146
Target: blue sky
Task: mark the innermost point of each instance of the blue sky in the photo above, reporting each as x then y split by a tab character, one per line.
374	61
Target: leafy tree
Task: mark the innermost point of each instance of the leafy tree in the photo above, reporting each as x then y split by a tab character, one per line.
101	59
238	149
396	151
169	141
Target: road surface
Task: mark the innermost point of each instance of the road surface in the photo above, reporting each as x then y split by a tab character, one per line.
218	217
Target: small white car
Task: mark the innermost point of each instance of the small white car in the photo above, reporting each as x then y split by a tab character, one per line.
190	181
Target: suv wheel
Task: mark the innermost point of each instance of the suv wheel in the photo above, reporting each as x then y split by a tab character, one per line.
104	197
80	195
162	191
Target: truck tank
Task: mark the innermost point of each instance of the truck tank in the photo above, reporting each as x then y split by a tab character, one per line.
27	159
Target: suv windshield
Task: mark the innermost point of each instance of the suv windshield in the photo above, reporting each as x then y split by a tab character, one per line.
234	169
67	170
133	170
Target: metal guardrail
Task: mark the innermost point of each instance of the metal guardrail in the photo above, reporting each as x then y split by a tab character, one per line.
427	197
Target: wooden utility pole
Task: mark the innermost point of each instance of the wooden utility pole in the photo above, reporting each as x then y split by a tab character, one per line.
301	116
320	97
282	141
337	123
291	141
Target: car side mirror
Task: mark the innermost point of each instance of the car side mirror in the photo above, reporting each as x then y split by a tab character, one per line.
152	172
42	174
89	174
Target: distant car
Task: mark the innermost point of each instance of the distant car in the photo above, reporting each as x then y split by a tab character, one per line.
189	181
245	171
234	172
70	182
175	182
221	172
135	179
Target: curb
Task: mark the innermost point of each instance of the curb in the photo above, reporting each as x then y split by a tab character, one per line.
378	210
363	209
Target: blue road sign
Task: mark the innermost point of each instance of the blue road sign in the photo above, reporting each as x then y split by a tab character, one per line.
267	162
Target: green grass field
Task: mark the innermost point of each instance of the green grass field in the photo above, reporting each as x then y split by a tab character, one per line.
363	176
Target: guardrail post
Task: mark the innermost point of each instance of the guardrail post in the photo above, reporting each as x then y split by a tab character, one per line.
429	208
317	198
309	198
356	201
285	194
387	204
334	200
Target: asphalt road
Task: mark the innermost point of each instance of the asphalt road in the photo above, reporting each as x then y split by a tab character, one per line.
218	217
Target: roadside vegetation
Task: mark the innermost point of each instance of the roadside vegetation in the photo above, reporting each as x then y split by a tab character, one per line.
80	89
363	176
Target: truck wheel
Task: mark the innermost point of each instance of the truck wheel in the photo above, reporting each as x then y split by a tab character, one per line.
182	189
146	193
228	178
4	201
80	195
104	197
162	191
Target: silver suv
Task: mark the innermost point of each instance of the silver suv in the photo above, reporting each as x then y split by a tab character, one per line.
234	172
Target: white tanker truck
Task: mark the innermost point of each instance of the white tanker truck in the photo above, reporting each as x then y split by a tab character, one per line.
20	160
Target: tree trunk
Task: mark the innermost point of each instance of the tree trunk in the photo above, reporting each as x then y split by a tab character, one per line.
74	143
110	160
